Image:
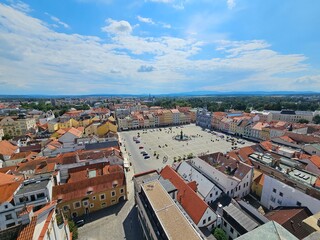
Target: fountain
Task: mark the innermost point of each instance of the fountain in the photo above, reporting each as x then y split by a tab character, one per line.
181	137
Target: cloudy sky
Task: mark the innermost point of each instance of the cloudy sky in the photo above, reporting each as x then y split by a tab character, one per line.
158	46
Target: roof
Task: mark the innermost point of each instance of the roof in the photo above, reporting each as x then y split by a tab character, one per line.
28	231
291	218
8	190
190	201
221	162
240	217
75	132
92	170
312	222
268	231
75	190
175	225
27	187
190	174
7	148
8	178
315	160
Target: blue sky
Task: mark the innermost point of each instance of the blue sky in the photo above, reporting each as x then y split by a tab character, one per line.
158	46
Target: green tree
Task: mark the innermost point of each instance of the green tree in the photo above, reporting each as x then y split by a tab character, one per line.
219	234
316	119
302	120
73	228
6	137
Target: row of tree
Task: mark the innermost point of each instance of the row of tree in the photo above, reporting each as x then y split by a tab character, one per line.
244	103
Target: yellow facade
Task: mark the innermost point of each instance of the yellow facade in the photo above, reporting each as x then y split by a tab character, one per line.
105	128
93	202
257	183
265	133
167	117
17	127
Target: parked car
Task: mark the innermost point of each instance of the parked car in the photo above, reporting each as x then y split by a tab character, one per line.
80	223
146	157
144	154
141	147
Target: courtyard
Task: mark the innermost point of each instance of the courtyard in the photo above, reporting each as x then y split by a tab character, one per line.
162	147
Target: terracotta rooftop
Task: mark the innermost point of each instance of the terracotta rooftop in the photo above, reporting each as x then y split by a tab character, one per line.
79	189
20	155
187	197
8	178
315	160
92	170
8	190
291	218
28	231
7	148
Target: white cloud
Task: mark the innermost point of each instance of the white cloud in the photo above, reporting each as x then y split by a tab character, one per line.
117	27
19	5
231	4
58	21
35	58
145	20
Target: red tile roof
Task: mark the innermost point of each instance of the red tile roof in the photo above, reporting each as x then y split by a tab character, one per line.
190	201
315	160
81	173
28	231
7	148
7	191
79	189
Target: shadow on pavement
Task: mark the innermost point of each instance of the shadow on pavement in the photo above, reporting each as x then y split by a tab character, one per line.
91	217
131	226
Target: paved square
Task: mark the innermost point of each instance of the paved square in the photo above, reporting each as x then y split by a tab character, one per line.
159	143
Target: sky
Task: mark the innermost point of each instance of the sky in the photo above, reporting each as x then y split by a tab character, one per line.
158	46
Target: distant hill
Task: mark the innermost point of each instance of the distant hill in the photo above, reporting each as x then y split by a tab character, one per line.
181	94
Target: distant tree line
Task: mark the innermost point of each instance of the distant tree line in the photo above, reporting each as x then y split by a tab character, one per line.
243	103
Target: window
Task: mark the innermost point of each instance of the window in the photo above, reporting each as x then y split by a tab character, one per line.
40	195
91	205
103	205
273	199
94	198
8	217
10	225
102	196
65	208
210	194
216	192
204	221
113	193
113	201
121	190
76	205
231	229
74	215
279	201
298	203
281	194
274	190
6	206
209	219
225	224
85	203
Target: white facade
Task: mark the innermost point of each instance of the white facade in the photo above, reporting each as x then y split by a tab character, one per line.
208	191
232	186
276	193
208	219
